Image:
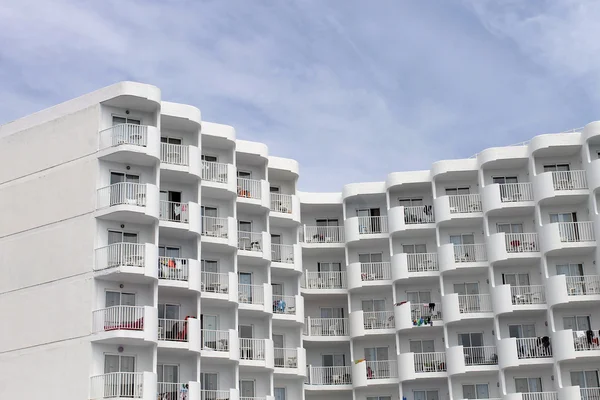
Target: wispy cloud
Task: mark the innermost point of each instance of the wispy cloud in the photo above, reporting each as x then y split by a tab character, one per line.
351	90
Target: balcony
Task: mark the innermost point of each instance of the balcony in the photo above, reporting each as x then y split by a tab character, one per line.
125	324
290	361
288	308
414	265
409	316
179	218
560	187
255	297
219	286
128	202
253	247
253	192
132	261
324	282
328	378
453	257
176	159
219	231
508	299
228	394
508	198
256	352
467	307
322	236
362	275
130	143
415	220
286	256
218	176
531	351
117	385
180	273
285	207
358	228
568	238
179	334
221	344
326	329
513	248
422	366
182	390
472	360
574	289
534	396
367	323
582	346
372	373
457	208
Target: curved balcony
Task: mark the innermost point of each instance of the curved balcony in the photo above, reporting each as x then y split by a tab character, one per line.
374	373
256	353
179	273
322	236
414	265
180	163
570	290
123	385
179	334
253	192
258	298
219	232
286	256
472	360
130	143
517	352
513	248
125	325
328	378
365	275
414	316
453	258
254	247
324	283
220	344
219	286
290	361
422	366
467	307
457	208
416	220
560	187
582	346
568	238
326	329
510	299
177	219
285	208
371	323
288	308
218	177
534	396
128	202
508	198
127	262
577	393
366	228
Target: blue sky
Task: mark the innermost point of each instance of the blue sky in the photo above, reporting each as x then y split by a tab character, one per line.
352	89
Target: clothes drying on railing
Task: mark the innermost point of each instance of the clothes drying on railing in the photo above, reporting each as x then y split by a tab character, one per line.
279	306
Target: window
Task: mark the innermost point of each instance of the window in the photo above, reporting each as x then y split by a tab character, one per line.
373	305
366	223
376	354
585	379
209	158
247	388
528	385
280	394
509	228
422	346
457	190
556	167
168	251
563	217
379	397
274	189
327	222
426	395
168	311
333	360
366	258
332	312
470	339
244	174
277	290
410	202
466	288
209	211
329	267
577	323
113	299
414	248
245	235
120	177
121	237
210	322
570	269
515	279
278	341
505	179
462	239
246	331
124	120
167	373
477	391
521	331
209	381
209	266
170	140
422	297
118	363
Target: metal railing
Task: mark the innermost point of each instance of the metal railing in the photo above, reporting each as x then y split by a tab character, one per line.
213	395
174	330
215	340
285	358
214	171
474	303
420	310
422	262
284	304
122	193
248	188
576	231
168	390
531	294
133	134
583	285
480	355
586	340
250	241
251	294
252	349
430	362
590	393
117	385
340	375
326	326
283	253
369	225
534	347
521	242
120	254
540	396
465	203
173	268
214	227
378	319
281	203
515	192
253	398
214	282
385	369
323	234
470	253
174	211
176	154
114	318
418	215
569	180
375	271
324	280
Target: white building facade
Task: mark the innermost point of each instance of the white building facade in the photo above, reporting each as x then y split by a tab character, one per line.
148	254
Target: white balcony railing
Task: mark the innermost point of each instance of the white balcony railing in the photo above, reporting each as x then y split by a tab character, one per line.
323	234
250	241
369	225
281	203
284	304
252	349
474	303
251	294
531	294
212	395
122	193
422	262
481	355
253	398
174	211
470	253
540	396
129	318
214	171
430	362
576	231
378	319
590	393
418	311
173	268
569	180
176	154
534	347
521	242
341	375
215	340
285	358
385	369
375	271
214	282
121	254
283	253
249	188
168	390
132	134
586	340
174	330
465	203
214	227
324	280
117	385
515	192
418	215
583	285
327	326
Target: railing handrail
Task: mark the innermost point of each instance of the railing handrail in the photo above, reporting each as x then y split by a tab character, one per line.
569	180
515	192
119	306
533	347
326	326
322	234
110	128
324	280
470	252
422	262
570	232
475	303
172	153
464	203
133	184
